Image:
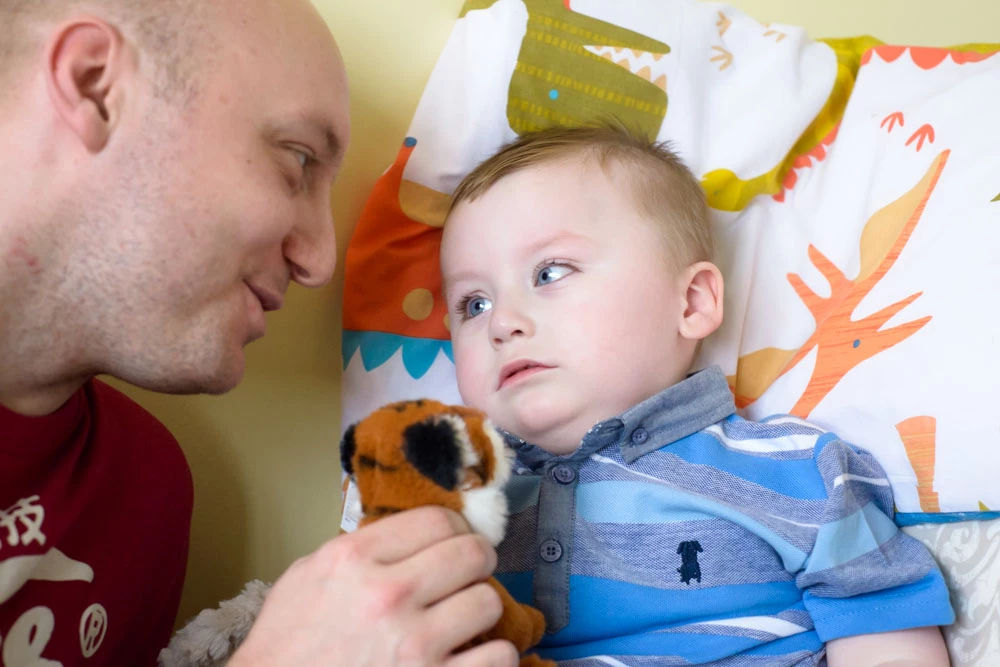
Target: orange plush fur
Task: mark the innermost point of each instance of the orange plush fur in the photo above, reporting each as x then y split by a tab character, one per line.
423	452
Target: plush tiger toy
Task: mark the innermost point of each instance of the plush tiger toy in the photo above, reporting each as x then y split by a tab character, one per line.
423	452
401	456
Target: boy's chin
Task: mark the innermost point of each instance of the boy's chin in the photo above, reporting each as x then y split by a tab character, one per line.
555	432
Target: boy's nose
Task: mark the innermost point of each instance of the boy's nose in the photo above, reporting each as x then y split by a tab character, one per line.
509	323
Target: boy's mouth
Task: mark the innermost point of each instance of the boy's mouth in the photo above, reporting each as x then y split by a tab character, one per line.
517	370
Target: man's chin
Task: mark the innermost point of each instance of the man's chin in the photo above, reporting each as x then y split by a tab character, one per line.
217	386
219	380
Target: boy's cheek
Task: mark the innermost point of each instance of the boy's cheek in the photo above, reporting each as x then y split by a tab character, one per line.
465	372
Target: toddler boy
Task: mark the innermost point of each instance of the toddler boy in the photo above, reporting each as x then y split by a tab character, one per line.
649	522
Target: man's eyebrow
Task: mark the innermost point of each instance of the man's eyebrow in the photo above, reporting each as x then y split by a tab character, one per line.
333	147
320	129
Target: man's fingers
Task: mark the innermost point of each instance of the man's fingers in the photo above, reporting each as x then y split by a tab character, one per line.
470	558
497	653
453	622
399	536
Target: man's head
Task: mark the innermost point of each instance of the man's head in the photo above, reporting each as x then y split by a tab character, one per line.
173	29
169	176
577	269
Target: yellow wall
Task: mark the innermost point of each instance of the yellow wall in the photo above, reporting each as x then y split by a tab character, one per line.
264	457
920	22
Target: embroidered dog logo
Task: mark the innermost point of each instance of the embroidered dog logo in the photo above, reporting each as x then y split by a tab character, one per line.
689	569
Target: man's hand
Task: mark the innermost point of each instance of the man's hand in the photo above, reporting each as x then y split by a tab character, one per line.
405	590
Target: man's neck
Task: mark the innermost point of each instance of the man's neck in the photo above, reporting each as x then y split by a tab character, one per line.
41	400
40	367
38	374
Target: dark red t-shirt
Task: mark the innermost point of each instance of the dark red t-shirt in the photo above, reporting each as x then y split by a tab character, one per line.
95	513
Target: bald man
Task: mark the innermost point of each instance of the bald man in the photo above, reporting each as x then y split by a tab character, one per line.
165	168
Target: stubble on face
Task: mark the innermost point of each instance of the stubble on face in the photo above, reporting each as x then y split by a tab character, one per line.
197	206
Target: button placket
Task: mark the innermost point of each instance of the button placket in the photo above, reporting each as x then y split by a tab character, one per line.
554	540
550	551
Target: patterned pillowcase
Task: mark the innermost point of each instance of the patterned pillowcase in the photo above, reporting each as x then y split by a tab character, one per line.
969	555
853	190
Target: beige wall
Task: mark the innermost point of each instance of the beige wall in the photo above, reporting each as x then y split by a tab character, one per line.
920	22
264	457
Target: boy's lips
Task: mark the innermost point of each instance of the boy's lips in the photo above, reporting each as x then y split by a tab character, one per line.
518	369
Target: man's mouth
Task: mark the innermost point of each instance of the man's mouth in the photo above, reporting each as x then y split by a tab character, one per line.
268	300
519	370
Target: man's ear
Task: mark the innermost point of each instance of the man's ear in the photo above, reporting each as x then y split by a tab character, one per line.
83	66
703	292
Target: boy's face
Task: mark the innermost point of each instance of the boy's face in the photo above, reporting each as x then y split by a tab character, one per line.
563	308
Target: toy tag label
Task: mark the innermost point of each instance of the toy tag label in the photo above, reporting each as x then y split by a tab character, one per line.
351	504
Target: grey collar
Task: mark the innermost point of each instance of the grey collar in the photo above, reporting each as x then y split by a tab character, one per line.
694	403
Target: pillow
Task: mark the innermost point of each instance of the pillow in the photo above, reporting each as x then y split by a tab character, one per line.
854	191
969	555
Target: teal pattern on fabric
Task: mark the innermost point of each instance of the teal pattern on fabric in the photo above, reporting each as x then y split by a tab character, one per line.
378	347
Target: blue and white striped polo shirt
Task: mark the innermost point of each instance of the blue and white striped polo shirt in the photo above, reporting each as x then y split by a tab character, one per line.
680	533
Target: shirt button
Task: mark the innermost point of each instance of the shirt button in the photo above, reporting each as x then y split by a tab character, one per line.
550	551
640	435
563	474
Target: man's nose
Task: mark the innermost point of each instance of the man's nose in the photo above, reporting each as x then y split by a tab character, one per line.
311	246
509	322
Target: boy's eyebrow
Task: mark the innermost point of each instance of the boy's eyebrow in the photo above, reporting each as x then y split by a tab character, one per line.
565	236
559	237
448	278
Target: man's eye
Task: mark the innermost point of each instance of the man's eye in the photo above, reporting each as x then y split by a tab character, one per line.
551	273
471	306
302	158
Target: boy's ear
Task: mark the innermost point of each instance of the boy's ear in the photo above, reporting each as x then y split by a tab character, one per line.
84	60
703	292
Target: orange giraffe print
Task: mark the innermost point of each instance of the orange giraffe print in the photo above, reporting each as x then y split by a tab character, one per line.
842	342
919	435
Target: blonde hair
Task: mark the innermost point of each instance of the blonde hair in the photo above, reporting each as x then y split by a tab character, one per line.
664	189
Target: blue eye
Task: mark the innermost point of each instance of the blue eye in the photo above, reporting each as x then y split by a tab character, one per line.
474	305
302	157
551	273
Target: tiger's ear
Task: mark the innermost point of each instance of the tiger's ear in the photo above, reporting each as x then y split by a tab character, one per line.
431	446
347	449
